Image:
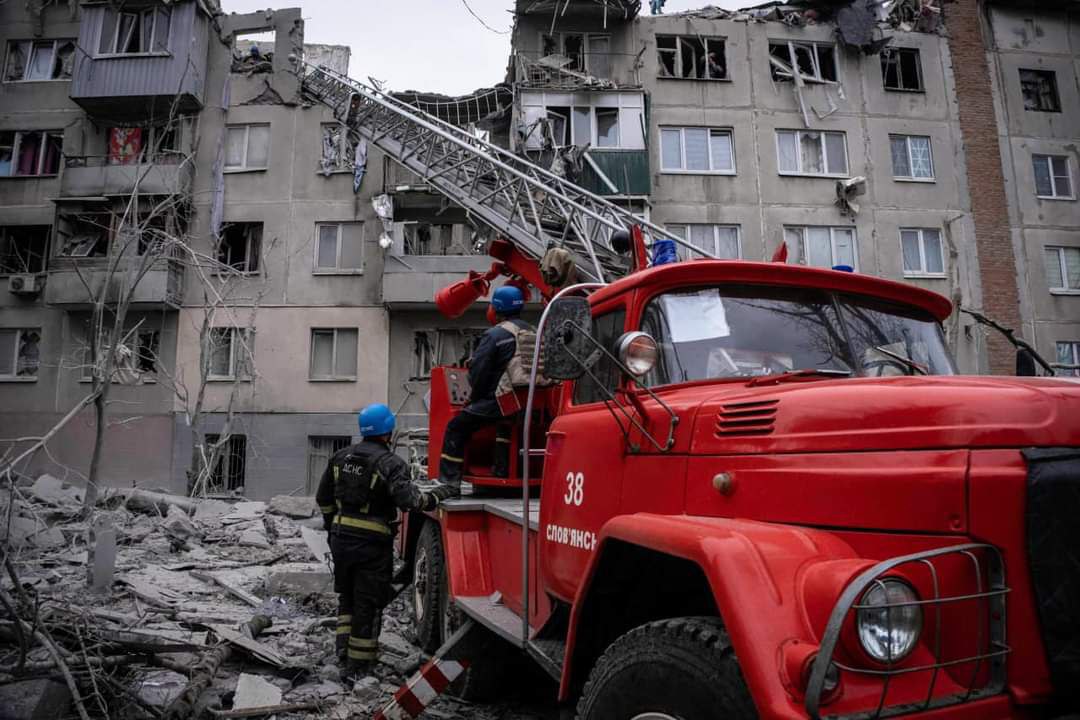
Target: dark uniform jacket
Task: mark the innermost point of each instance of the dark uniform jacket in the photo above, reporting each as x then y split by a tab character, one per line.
362	488
487	365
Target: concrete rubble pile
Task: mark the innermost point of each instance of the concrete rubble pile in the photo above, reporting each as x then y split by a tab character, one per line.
167	606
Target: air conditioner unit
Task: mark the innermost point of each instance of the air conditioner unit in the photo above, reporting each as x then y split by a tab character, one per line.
25	284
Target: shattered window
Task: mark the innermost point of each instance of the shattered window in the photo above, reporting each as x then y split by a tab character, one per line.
20	352
436	239
30	153
253	52
23	248
240	246
29	60
228	472
922	252
1040	90
1062	268
912	158
156	144
339	246
810	152
338	149
146	352
697	150
720	240
691	57
1068	353
247	147
131	33
607	127
815	62
901	69
84	235
444	346
228	352
1052	177
823	246
333	354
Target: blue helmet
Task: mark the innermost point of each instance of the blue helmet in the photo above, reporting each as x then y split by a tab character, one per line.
508	300
375	420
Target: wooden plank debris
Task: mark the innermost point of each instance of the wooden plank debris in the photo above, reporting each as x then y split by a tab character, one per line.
237	592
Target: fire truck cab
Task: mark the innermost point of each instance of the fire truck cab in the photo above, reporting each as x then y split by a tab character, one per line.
761	489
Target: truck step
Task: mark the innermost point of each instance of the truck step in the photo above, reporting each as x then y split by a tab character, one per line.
492	614
549	654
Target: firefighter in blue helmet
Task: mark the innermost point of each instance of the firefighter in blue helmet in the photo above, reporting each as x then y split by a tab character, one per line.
359	494
497	366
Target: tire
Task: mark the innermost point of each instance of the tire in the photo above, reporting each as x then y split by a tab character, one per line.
682	668
429	588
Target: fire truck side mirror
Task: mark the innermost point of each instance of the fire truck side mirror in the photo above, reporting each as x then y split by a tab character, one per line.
565	348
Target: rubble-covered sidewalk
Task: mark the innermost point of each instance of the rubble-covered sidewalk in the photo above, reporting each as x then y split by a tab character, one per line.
172	607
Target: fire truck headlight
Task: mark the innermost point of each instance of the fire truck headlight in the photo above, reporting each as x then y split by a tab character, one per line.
888	624
637	352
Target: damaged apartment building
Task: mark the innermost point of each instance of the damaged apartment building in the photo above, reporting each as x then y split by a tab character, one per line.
920	140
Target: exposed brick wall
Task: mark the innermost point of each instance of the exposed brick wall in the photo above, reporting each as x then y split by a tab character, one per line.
978	125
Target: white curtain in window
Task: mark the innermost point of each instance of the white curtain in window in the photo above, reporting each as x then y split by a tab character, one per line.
901	166
921	166
1052	261
345	361
727	242
932	250
582	126
697	148
812	153
41	61
909	240
670	150
722	158
845	246
322	353
258	146
1072	267
836	153
818	247
328	239
788	152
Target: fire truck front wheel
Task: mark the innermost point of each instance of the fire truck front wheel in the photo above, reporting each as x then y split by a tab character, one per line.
428	587
680	668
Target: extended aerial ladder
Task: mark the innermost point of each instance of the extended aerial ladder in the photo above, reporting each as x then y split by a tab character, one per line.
520	201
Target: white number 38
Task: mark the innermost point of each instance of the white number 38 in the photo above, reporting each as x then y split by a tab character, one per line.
575	490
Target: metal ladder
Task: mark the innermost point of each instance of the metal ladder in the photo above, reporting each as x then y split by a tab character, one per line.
520	201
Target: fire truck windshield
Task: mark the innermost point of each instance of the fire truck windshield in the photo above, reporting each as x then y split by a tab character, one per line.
753	330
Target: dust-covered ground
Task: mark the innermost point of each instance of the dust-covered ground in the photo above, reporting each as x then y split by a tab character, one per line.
157	606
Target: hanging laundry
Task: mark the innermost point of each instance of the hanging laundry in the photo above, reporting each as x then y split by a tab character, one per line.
359	165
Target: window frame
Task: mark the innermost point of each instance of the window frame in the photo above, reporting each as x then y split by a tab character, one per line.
1063	266
897	51
345	146
322	456
229	268
1074	350
227	451
56	45
317	269
681	250
824	154
907	146
705	40
683	170
7	240
154	12
778	75
1035	157
244	167
240	368
15	376
16	145
803	255
922	272
586	43
333	377
1054	92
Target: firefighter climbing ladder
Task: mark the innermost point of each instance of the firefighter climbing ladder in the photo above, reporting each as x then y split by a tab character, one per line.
528	205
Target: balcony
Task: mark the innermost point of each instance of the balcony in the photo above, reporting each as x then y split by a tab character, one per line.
75	283
591	71
142	63
166	173
411	281
616	172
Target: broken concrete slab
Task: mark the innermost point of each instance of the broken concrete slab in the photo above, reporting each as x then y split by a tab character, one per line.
293	506
179	525
253	538
53	491
38	699
300	579
158	688
33	532
252	691
243	511
211	509
254	647
317	542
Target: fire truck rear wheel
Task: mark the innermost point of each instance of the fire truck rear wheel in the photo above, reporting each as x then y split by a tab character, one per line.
682	668
428	587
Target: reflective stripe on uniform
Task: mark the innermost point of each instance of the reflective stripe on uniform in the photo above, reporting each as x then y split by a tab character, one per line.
363	654
373	525
502	440
359	642
451	458
344	630
328	509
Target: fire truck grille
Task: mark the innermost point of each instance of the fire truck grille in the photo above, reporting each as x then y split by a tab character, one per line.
746	418
1053	545
960	654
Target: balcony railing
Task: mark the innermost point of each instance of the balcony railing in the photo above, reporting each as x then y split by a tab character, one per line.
164	172
592	71
77	282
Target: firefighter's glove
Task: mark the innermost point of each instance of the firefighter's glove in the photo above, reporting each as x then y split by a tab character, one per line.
327	522
428	501
446	491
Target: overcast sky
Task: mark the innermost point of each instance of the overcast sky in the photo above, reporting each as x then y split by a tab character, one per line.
433	45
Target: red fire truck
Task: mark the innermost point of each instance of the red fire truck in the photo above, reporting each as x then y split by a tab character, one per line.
753	489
